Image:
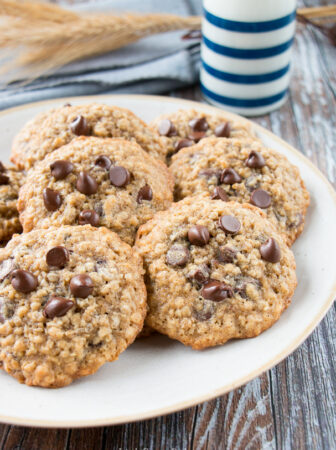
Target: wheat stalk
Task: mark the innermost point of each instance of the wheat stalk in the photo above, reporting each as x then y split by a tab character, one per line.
35	11
39	37
46	37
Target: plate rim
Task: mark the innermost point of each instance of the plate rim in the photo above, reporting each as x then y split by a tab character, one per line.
239	382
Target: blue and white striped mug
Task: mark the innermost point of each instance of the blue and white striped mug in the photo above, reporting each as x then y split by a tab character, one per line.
246	51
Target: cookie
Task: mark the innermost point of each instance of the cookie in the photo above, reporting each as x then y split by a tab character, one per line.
215	271
22	141
244	170
62	125
186	127
145	332
10	182
72	298
101	182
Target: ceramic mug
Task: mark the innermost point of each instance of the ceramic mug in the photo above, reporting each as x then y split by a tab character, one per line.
246	51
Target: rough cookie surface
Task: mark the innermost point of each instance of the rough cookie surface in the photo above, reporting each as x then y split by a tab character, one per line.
10	181
99	315
245	171
186	127
207	281
103	182
49	131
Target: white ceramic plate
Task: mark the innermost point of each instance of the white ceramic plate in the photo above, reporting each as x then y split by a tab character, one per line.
156	376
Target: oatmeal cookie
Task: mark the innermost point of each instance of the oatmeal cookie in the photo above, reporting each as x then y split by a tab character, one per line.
145	332
10	182
72	298
50	131
244	170
186	127
101	182
215	271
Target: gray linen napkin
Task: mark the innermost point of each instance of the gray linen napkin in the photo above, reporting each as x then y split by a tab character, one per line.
154	65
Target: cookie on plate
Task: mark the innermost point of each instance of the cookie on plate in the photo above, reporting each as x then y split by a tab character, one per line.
244	170
187	126
72	298
52	130
214	271
22	140
10	182
101	182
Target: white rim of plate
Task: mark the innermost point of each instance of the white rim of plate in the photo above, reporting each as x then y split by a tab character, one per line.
241	381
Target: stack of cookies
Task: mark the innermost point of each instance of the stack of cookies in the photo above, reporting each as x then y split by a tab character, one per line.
105	253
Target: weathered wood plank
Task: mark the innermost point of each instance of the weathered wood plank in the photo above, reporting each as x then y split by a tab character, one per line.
303	386
35	439
86	439
293	405
240	420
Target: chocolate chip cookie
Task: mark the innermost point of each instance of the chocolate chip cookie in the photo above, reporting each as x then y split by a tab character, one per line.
215	271
10	181
101	182
50	131
244	170
186	127
71	299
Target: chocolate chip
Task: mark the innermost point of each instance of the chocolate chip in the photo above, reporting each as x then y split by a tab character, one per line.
103	162
226	255
196	135
252	183
167	128
209	173
99	208
241	285
203	314
199	124
270	251
177	255
183	143
230	176
88	217
81	285
23	281
223	130
60	169
216	291
7	309
100	264
80	127
66	105
255	160
260	198
4	179
57	257
219	194
57	307
297	222
2	167
119	176
229	224
201	274
86	184
145	193
2	318
198	235
6	267
52	199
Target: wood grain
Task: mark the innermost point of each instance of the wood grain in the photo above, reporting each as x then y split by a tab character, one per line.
292	405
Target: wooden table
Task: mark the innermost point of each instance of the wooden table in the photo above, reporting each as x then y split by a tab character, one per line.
293	405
